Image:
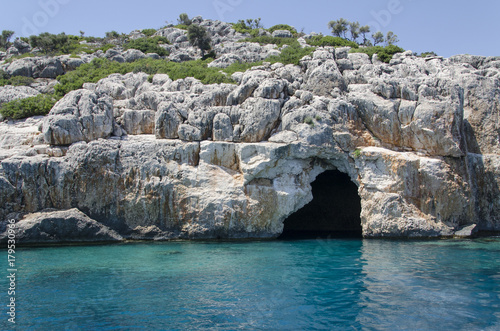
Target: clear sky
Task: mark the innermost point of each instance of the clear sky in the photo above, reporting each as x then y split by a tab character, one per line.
446	27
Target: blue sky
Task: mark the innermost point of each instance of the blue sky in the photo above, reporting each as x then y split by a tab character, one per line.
446	27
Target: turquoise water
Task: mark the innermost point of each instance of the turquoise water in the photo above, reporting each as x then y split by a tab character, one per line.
267	285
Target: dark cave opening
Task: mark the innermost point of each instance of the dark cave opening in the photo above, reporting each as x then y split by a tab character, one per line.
334	211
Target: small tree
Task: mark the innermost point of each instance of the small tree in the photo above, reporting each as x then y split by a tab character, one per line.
391	38
254	23
354	29
363	31
5	38
184	19
112	35
339	27
198	37
378	38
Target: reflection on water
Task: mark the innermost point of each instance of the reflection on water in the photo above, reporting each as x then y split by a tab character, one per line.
290	285
431	284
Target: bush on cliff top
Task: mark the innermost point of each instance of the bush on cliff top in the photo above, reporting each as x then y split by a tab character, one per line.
291	54
384	53
283	27
323	41
148	45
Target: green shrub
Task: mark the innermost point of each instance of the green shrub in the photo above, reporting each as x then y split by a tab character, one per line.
5	79
148	45
357	153
106	47
65	44
309	120
51	43
3	75
252	29
112	35
33	106
266	40
291	54
21	81
331	41
148	32
384	53
426	54
283	27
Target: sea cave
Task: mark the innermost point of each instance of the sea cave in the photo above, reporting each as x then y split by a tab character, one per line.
334	211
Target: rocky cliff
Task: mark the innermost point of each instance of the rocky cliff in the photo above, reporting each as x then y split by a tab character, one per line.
160	159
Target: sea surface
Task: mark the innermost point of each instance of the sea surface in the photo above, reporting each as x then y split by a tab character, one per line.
260	285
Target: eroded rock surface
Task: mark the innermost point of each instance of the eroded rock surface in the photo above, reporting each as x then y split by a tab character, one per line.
156	158
60	227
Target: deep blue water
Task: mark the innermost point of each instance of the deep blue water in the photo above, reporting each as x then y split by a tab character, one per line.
267	285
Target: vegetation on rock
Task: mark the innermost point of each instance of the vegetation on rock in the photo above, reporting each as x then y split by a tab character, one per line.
198	37
32	106
323	41
5	39
149	45
384	53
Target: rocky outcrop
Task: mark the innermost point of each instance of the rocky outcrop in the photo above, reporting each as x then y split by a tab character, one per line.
61	227
9	93
36	67
156	158
80	116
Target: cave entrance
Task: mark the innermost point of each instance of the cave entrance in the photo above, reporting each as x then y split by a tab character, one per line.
334	211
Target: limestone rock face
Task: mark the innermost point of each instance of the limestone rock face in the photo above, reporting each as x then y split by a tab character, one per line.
149	157
36	67
9	93
80	116
61	227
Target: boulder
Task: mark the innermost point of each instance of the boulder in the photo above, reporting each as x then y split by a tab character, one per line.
258	119
80	116
167	121
223	128
9	93
139	121
131	55
282	34
64	226
225	61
